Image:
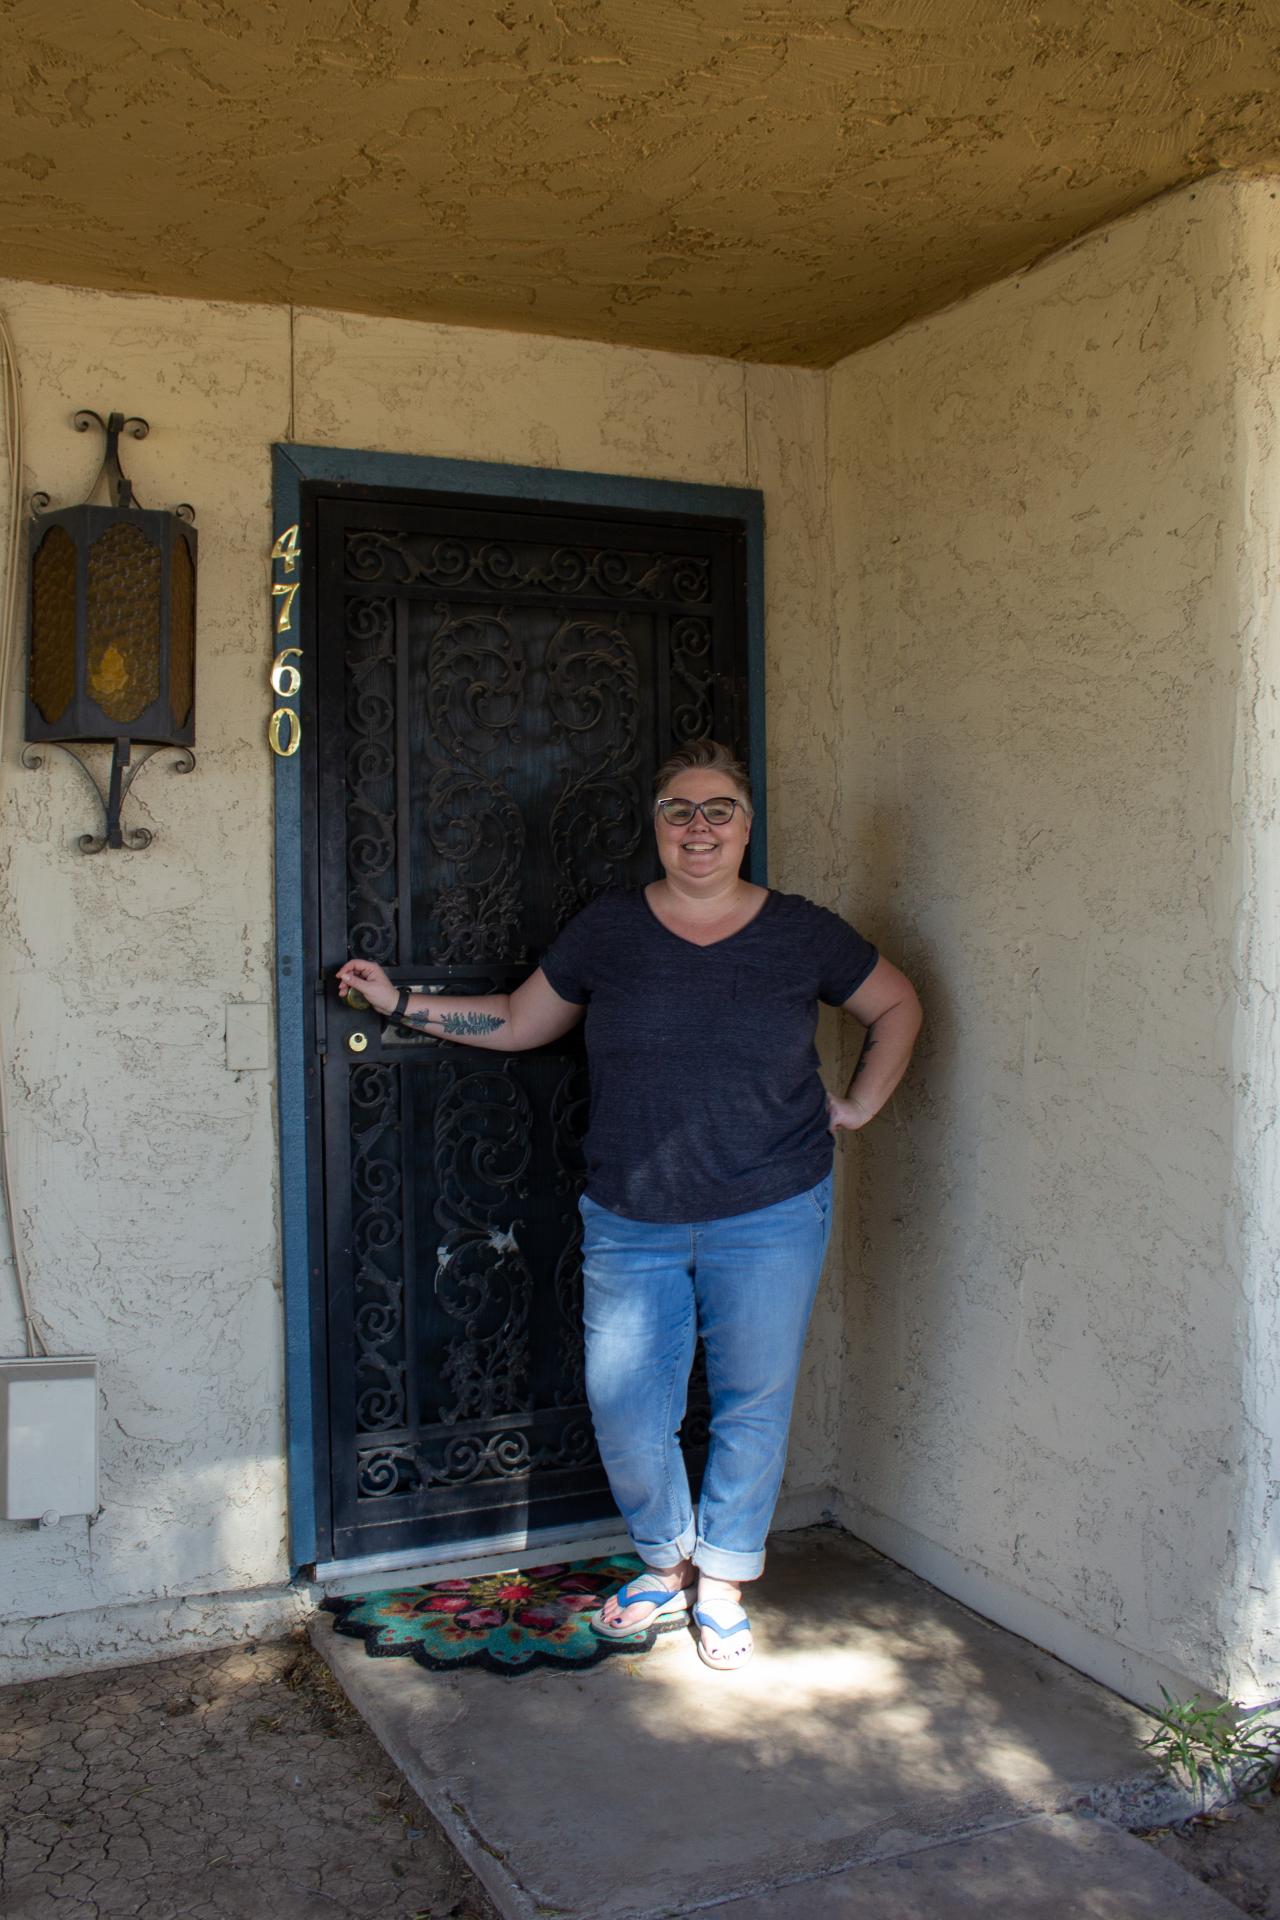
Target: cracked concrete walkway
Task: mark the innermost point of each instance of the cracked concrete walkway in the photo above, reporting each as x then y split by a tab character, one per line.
887	1753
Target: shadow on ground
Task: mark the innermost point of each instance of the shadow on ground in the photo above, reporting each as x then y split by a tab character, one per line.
883	1735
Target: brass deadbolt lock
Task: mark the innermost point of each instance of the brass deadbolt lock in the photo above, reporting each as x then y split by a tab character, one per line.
358	1042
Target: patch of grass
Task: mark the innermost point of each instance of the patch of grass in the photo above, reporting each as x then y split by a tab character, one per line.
1237	1747
309	1676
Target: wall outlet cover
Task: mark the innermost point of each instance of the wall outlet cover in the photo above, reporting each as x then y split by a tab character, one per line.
48	1438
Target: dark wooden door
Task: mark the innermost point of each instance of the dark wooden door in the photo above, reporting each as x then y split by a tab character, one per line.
494	685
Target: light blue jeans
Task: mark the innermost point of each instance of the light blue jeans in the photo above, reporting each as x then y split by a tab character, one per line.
747	1284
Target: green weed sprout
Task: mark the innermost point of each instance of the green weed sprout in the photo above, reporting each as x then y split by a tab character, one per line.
1239	1747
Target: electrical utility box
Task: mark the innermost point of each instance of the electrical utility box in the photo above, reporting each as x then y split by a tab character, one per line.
48	1438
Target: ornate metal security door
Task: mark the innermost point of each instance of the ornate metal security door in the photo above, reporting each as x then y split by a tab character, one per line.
495	684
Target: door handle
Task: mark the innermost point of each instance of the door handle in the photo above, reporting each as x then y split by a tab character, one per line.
357	1041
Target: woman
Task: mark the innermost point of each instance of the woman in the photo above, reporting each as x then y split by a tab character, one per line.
708	1196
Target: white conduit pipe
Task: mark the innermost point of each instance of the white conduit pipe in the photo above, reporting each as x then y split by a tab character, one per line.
11	402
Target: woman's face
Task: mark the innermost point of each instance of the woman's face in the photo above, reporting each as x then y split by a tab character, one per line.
700	850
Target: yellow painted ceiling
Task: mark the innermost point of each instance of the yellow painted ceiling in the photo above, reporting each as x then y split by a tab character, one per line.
780	182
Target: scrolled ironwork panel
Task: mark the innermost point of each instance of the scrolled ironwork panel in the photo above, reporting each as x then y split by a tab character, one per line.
593	693
384	1471
463	1460
377	1238
474	685
371	781
503	698
392	558
483	1147
691	667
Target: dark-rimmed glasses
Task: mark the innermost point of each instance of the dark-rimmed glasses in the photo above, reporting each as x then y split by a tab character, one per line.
717	812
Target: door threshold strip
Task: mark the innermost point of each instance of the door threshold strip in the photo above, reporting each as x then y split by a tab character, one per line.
465	1559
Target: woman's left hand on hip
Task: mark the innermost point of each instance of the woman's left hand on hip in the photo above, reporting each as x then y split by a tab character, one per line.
845	1115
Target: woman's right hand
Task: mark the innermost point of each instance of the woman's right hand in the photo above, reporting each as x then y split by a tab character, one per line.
373	983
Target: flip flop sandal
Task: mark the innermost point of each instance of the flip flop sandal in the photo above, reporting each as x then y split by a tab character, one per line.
669	1609
741	1625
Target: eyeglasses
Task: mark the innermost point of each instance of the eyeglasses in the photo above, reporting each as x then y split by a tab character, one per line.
717	813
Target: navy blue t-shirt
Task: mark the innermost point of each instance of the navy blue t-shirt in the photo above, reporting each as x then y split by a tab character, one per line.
705	1095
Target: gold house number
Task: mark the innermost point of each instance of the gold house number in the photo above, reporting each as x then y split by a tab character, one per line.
285	680
284	729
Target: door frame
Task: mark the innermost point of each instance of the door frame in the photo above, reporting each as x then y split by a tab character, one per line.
297	1083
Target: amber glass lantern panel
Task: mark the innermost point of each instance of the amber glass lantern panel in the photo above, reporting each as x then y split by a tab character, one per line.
123	619
53	624
182	633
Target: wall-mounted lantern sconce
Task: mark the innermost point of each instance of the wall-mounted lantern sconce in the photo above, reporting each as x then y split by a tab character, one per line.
112	620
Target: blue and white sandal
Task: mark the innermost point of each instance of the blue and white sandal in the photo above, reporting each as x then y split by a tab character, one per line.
669	1609
722	1661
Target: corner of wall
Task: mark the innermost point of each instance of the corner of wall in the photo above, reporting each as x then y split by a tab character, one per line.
786	447
1254	1625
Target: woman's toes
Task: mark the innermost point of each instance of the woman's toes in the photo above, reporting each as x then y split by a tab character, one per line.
736	1654
732	1645
640	1612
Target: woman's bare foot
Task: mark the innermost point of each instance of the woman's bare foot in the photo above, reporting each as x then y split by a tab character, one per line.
721	1602
672	1578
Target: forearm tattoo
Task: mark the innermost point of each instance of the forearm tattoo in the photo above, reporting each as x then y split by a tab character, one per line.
462	1025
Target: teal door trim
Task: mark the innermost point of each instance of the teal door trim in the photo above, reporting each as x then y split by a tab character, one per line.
292	466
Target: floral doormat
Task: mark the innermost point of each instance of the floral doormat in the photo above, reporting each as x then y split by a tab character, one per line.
508	1622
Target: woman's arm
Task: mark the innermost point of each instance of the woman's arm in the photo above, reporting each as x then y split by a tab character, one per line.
887	1005
532	1015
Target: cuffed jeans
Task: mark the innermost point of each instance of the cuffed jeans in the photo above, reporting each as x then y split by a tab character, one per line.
747	1284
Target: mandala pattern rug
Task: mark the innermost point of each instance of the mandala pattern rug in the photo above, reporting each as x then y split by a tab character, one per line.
510	1623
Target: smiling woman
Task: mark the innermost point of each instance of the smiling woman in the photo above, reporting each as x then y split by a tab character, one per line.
708	1197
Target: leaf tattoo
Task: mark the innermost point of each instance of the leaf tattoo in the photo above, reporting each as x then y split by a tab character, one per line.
463	1025
470	1022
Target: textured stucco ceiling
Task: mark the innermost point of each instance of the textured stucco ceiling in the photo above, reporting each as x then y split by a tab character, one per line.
781	182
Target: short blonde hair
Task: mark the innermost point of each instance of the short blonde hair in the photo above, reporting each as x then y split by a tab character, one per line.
703	756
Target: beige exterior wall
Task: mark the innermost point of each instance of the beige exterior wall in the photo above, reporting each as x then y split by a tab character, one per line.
145	1169
1054	511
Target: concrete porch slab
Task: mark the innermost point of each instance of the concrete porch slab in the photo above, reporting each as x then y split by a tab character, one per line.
1060	1866
877	1718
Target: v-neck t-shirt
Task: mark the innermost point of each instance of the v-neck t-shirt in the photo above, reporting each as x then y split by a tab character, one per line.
706	1100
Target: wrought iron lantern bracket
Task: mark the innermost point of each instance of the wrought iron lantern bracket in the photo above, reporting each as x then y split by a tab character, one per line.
118	484
124	771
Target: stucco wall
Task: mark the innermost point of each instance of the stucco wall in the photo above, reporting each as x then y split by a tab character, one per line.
145	1168
1054	543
